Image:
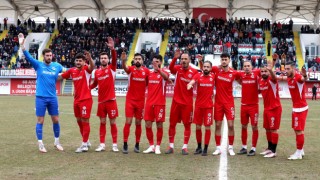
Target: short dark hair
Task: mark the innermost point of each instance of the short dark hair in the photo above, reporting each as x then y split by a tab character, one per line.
138	54
247	61
158	57
104	53
46	51
208	62
290	63
80	56
223	55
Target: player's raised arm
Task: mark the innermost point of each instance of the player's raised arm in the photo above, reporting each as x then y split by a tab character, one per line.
124	61
269	68
304	74
110	44
87	54
177	54
94	83
201	60
34	62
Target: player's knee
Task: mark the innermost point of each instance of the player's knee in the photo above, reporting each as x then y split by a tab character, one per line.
159	125
254	128
298	132
208	127
138	122
198	127
244	126
148	124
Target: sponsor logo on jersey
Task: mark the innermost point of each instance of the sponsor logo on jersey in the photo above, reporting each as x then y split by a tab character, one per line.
224	79
77	78
138	79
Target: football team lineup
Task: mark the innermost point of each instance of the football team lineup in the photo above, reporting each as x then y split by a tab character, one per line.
204	112
152	109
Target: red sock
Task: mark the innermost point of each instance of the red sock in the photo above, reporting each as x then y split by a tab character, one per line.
231	139
172	132
138	133
114	133
80	127
159	135
126	132
199	135
274	137
255	136
102	132
86	131
268	136
187	133
244	136
218	140
149	134
207	136
300	141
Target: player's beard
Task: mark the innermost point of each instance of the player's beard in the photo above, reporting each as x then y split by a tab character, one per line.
206	72
264	77
137	64
48	61
104	64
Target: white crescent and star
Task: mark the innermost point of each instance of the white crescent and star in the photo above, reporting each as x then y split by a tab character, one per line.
200	17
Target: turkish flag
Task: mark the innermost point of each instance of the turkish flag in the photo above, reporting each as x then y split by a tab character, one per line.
202	14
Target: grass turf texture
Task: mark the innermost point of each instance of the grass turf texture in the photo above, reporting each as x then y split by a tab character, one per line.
20	158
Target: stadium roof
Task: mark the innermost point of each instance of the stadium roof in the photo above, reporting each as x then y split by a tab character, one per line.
305	11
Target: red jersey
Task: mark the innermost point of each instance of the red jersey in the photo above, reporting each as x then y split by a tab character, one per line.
156	89
224	85
205	86
137	82
81	79
183	76
250	87
297	90
105	78
270	93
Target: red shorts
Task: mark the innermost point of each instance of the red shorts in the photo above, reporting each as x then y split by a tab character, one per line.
299	120
249	111
203	116
82	109
109	108
134	109
180	112
272	118
223	109
155	113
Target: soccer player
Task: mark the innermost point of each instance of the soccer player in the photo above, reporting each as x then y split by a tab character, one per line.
81	75
203	113
155	108
46	96
296	85
249	106
182	102
269	88
138	77
107	104
224	102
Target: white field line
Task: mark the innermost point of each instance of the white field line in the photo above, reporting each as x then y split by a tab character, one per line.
223	168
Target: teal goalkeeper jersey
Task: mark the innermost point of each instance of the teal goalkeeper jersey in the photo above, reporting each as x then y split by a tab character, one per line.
47	76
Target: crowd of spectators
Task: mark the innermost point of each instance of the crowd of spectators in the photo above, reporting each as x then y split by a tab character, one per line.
90	36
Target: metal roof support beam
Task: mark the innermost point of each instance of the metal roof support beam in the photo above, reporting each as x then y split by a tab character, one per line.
100	7
17	11
187	7
230	8
56	7
274	10
316	15
144	9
